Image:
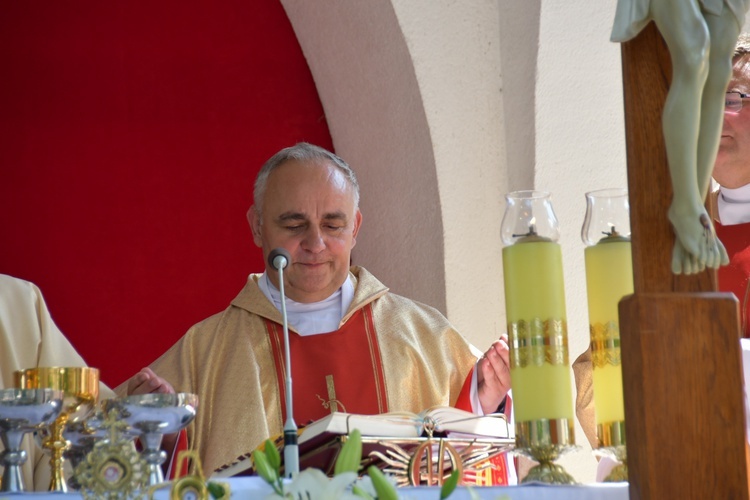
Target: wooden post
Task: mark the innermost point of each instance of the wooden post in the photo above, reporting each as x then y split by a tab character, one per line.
681	360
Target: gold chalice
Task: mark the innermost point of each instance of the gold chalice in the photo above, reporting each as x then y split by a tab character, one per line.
80	388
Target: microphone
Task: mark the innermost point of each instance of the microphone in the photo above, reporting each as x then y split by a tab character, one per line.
278	259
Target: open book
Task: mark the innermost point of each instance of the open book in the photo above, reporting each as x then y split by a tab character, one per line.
320	441
440	420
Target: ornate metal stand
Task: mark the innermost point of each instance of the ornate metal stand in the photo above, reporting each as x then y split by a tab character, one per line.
612	444
429	461
153	415
22	411
544	441
113	470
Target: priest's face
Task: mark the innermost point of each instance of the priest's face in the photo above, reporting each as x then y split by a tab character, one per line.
308	209
732	168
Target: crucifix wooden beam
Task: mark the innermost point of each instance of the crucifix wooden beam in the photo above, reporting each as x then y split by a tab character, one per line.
681	359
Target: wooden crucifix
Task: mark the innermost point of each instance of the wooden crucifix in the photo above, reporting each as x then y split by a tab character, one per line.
681	359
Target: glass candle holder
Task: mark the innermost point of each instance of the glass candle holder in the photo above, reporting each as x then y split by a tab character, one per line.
609	277
537	331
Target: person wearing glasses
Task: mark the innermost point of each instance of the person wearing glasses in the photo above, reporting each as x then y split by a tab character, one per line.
700	35
732	173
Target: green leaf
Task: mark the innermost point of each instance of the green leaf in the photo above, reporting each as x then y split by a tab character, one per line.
449	485
383	487
263	467
351	454
272	454
216	490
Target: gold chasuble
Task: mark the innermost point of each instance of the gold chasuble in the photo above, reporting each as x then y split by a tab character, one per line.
389	354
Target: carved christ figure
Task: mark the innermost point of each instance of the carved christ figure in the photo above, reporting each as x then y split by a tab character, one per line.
700	35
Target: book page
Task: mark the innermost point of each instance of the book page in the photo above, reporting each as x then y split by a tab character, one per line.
384	425
453	421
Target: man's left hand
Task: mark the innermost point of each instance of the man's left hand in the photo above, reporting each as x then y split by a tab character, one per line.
493	375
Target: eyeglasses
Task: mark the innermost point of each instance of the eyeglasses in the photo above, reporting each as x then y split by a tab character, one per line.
733	102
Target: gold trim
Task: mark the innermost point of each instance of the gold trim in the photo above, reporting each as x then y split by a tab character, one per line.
605	344
371	334
544	433
544	441
537	342
189	487
192	486
610	434
80	381
279	362
424	471
331	394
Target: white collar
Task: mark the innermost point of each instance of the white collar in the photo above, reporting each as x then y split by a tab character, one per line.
734	205
314	318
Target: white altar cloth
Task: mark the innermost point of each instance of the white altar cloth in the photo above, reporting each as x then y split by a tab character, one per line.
255	488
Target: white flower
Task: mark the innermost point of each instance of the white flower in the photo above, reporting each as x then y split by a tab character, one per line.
312	484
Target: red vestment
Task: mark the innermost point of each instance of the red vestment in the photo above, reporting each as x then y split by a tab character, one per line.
357	386
734	277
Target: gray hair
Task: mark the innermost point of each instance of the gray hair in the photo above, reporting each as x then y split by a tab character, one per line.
741	57
302	151
743	45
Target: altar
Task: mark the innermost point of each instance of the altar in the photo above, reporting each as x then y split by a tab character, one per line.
254	487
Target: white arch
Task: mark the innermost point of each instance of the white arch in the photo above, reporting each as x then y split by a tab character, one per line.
419	118
417	99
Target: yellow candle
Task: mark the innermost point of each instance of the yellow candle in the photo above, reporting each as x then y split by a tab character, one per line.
608	400
541	392
609	277
535	309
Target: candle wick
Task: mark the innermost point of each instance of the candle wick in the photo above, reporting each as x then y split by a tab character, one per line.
613	232
532	232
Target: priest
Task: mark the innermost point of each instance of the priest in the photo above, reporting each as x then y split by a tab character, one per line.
355	346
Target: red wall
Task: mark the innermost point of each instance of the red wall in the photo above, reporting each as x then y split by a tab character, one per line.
130	134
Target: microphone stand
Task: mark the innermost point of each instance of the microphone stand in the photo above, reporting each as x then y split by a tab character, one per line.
279	260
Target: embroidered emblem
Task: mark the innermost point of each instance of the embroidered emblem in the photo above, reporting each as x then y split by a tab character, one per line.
331	403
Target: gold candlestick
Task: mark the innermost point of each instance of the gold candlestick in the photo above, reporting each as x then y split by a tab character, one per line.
80	388
537	331
609	277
